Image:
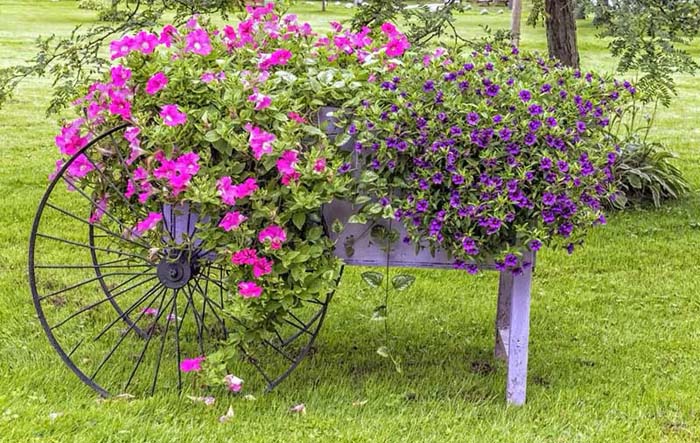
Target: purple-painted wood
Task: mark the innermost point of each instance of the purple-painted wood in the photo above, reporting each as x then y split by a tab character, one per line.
518	287
503	316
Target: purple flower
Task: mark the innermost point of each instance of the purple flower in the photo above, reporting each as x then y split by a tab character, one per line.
493	90
428	85
545	163
546	88
530	139
473	118
470	247
563	166
497	118
511	260
551	121
504	134
525	95
457	179
535	245
422	206
580	126
344	168
534	125
535	109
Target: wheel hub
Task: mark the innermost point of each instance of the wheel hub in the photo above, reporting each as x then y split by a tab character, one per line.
175	271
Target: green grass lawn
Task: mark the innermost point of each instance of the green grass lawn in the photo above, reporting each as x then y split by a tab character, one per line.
615	334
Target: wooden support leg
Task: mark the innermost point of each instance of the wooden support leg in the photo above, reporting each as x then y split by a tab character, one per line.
517	349
505	283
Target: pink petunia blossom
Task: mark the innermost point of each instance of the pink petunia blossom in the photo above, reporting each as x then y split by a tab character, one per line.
397	46
229	193
167	34
261	101
289	178
100	210
157	82
192	364
57	169
320	165
260	141
80	167
244	257
249	289
234	383
122	47
274	234
262	266
232	220
178	172
198	42
120	75
145	42
389	29
69	140
287	162
296	117
148	223
120	106
172	116
150	311
278	57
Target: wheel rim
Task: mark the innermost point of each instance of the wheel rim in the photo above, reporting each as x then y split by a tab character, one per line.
122	311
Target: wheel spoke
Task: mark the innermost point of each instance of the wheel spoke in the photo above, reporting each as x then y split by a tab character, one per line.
93	305
125	314
85	282
86	246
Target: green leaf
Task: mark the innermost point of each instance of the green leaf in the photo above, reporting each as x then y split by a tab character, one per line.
402	282
362	199
358	218
212	136
341	140
383	351
379	313
337	226
299	219
373	278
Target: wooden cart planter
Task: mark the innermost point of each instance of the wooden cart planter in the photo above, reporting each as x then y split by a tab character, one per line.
135	288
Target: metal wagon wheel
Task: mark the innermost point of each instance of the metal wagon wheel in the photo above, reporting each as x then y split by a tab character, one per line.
123	311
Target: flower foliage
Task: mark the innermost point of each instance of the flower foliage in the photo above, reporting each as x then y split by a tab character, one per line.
486	154
482	154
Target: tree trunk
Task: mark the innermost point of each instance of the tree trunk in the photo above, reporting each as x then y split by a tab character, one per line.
561	31
323	5
516	14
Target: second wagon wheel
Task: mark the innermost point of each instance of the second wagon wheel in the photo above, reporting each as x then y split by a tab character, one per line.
122	309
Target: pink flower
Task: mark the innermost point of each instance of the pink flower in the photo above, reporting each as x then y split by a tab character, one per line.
274	234
234	383
249	289
287	162
166	36
149	222
156	83
177	172
192	364
232	220
278	58
150	311
121	48
289	178
397	46
69	140
262	266
260	141
244	257
172	116
296	117
230	193
57	169
198	42
145	42
320	165
261	101
389	29
120	75
208	77
100	210
120	106
80	167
